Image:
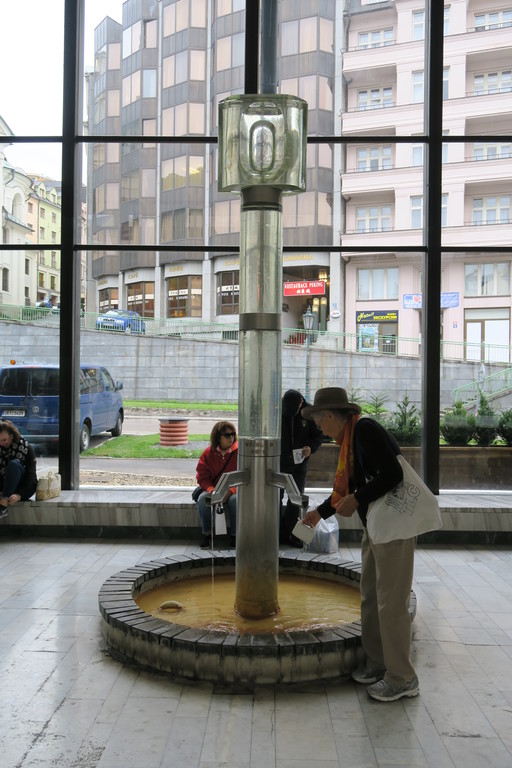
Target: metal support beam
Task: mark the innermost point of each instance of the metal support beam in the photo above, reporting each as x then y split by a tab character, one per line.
431	320
69	352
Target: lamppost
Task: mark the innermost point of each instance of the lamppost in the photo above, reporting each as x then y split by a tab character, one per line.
308	319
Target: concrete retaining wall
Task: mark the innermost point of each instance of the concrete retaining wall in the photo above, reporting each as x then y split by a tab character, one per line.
170	368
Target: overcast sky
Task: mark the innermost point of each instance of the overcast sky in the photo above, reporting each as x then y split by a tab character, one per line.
31	55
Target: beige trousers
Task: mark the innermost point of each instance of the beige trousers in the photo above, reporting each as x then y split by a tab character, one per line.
386	581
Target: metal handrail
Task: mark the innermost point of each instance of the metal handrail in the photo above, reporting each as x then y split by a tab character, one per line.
334	341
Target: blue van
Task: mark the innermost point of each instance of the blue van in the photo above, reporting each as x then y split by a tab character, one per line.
29	397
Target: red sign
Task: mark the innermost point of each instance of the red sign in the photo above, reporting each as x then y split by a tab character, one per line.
305	287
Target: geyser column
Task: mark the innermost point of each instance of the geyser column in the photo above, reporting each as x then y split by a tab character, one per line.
262	154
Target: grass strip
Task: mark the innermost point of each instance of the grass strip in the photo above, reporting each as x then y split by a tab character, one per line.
144	447
180	405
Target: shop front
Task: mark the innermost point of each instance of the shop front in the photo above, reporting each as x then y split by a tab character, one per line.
377	331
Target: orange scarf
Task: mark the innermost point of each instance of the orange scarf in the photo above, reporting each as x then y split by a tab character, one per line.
345	469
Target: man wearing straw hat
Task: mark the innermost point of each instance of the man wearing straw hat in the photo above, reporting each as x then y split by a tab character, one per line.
367	469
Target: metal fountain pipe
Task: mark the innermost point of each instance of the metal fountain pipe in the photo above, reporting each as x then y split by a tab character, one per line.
262	153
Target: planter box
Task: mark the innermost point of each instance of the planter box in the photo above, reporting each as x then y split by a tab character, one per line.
464	468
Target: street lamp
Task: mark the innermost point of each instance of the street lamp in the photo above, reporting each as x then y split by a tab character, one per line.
308	319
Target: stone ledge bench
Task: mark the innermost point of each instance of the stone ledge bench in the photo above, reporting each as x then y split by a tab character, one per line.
150	512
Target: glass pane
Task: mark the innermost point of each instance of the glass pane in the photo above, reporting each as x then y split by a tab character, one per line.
24	94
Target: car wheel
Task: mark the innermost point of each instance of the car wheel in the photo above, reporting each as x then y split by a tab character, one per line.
85	437
118	429
128	329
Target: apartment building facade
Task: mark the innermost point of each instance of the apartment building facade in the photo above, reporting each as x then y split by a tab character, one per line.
360	66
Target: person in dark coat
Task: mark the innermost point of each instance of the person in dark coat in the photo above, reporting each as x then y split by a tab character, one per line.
18	477
297	434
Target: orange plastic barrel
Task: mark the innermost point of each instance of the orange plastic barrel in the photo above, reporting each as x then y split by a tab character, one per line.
173	431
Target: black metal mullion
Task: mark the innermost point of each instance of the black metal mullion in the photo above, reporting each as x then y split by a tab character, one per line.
69	360
431	320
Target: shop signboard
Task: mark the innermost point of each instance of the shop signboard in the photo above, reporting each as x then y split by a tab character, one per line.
415	300
304	288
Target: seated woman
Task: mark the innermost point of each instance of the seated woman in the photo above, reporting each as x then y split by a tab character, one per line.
221	456
17	467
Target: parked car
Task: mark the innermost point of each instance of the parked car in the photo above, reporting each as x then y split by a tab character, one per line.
125	320
29	397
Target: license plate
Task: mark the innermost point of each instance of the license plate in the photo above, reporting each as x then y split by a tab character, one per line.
13	412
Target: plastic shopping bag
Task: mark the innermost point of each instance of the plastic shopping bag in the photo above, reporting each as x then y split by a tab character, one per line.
326	538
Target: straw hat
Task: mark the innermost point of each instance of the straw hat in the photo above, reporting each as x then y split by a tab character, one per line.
330	399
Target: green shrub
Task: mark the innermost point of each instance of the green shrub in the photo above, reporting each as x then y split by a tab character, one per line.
457	425
375	407
505	426
486	421
405	424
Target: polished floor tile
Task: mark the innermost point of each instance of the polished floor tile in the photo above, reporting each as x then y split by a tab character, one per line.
67	703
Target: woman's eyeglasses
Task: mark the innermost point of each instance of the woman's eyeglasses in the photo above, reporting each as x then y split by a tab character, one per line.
228	434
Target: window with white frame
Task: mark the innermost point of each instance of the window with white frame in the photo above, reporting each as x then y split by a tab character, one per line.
491	150
416	211
444	209
376	38
379	283
375	98
487	279
492	82
374	218
373	158
418	25
493	20
446	20
491	210
446	83
444	149
417	154
5	279
418	86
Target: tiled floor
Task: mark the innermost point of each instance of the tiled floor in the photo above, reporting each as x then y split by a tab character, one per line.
66	703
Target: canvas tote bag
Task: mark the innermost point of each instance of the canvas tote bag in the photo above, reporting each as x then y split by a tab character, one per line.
404	512
48	486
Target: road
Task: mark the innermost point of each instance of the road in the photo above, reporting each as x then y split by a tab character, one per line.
142	424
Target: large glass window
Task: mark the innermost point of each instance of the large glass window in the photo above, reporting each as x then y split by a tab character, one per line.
151	71
228	293
379	283
487	279
184	296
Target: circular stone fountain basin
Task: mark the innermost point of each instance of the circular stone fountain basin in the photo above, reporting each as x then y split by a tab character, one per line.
289	656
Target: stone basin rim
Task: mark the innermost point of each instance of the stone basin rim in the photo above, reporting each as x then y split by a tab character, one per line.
284	656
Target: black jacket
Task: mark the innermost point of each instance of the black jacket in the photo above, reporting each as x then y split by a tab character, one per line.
376	469
296	432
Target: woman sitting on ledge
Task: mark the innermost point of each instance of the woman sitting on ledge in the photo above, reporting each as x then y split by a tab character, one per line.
17	467
221	456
